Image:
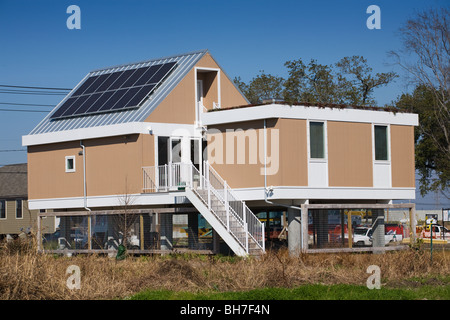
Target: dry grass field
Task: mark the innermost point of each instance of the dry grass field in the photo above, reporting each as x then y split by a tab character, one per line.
25	274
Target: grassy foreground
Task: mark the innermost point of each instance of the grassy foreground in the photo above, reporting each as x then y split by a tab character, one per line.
306	292
409	274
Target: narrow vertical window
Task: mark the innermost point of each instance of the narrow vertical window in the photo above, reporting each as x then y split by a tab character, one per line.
381	143
2	209
163	154
70	164
316	140
19	213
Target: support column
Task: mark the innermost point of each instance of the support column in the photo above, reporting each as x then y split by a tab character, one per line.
141	231
166	231
294	231
412	224
378	228
322	227
216	242
193	231
304	227
39	235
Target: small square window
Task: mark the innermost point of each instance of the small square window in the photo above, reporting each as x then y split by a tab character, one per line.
70	164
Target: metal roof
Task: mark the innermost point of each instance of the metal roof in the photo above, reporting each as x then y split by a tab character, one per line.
185	62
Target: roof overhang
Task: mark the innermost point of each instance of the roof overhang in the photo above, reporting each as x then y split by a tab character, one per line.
269	111
165	129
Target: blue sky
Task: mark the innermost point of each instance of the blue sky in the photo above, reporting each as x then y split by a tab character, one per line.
37	48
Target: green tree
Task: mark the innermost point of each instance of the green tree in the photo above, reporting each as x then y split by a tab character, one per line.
362	82
425	56
263	86
350	81
433	167
309	83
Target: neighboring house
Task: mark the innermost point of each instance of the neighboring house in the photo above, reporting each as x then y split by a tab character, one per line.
15	216
176	134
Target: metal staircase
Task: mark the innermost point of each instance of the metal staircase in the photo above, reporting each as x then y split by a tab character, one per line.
215	200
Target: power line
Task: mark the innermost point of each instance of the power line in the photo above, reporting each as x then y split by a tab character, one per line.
46	93
21	172
27	104
27	87
17	110
13	150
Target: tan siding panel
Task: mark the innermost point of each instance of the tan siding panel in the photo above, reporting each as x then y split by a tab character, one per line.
293	169
113	167
46	171
286	153
229	95
237	175
402	156
349	154
179	105
12	225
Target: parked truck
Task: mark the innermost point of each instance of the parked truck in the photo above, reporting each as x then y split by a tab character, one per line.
363	236
439	232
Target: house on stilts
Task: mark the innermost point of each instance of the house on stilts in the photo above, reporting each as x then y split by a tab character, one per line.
168	155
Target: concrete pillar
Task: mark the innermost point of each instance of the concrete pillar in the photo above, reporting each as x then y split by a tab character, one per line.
321	224
216	242
193	231
305	234
378	228
294	231
166	231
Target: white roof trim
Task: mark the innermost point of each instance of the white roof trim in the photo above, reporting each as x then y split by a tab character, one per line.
306	112
164	129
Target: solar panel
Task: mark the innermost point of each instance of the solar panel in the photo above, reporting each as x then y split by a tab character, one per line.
114	91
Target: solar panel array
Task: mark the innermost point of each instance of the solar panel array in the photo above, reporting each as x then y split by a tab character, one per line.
114	91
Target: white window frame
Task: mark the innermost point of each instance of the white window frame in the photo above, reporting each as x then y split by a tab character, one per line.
325	142
388	144
6	209
198	112
66	162
379	164
21	201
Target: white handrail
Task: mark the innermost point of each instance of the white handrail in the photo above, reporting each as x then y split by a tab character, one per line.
173	176
257	227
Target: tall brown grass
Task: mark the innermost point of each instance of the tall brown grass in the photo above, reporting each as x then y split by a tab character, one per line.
25	274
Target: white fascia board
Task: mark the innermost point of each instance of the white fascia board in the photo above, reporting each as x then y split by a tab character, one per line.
245	194
329	193
176	197
166	129
304	112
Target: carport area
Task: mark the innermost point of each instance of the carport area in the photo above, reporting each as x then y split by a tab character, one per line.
351	227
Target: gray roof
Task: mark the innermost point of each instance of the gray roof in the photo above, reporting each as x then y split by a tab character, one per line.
13	181
185	62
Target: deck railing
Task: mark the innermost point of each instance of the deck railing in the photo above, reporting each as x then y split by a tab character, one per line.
177	176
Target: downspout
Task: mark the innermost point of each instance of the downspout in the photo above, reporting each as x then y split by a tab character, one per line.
84	175
265	184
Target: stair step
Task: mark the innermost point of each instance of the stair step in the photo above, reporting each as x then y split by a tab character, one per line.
236	228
